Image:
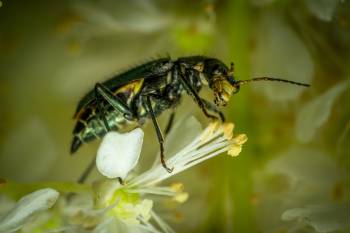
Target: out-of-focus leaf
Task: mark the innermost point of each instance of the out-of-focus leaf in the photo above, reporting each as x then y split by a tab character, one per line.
280	53
27	206
323	9
316	112
323	218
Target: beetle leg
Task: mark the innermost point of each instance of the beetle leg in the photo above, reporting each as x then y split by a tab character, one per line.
115	101
212	107
170	123
158	131
195	96
87	171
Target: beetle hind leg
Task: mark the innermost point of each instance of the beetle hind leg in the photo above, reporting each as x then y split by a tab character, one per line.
102	92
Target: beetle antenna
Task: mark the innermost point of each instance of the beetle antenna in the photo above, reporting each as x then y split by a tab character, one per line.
240	82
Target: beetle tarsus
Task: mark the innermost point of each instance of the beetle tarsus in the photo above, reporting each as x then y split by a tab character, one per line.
121	181
162	159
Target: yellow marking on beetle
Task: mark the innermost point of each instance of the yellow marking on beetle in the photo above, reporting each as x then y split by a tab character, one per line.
78	114
131	89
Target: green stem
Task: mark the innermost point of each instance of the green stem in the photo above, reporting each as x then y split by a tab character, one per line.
239	170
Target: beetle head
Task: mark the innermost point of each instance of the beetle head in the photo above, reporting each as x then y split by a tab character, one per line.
221	80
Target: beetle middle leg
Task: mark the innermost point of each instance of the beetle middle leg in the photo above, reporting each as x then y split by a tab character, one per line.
114	101
170	123
160	137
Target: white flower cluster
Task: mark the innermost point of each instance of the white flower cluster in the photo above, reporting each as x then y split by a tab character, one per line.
108	206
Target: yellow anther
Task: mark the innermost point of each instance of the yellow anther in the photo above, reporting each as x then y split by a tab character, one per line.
234	150
177	187
236	146
181	197
228	130
241	139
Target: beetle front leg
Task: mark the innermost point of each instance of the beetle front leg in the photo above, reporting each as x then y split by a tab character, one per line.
160	137
212	107
191	91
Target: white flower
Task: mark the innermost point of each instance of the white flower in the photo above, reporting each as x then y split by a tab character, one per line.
272	57
304	187
315	113
119	153
129	207
26	207
214	140
323	218
108	206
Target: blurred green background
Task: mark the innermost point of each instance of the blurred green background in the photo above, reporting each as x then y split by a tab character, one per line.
53	52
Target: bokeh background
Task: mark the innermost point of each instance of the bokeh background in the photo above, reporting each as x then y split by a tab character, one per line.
293	173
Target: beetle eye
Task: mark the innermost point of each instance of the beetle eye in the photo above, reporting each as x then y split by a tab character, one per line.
216	72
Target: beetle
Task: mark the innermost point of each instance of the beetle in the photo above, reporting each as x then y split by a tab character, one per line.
129	99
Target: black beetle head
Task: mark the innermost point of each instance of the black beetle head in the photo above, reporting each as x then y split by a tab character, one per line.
221	80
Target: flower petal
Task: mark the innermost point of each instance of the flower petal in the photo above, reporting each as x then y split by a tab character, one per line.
119	153
316	112
184	131
271	57
309	165
323	9
28	205
323	218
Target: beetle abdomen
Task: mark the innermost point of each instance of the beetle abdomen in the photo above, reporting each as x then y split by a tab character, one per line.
93	127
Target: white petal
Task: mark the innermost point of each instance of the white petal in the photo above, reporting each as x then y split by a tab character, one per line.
308	165
323	9
106	226
28	205
184	131
119	153
316	112
323	218
271	57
